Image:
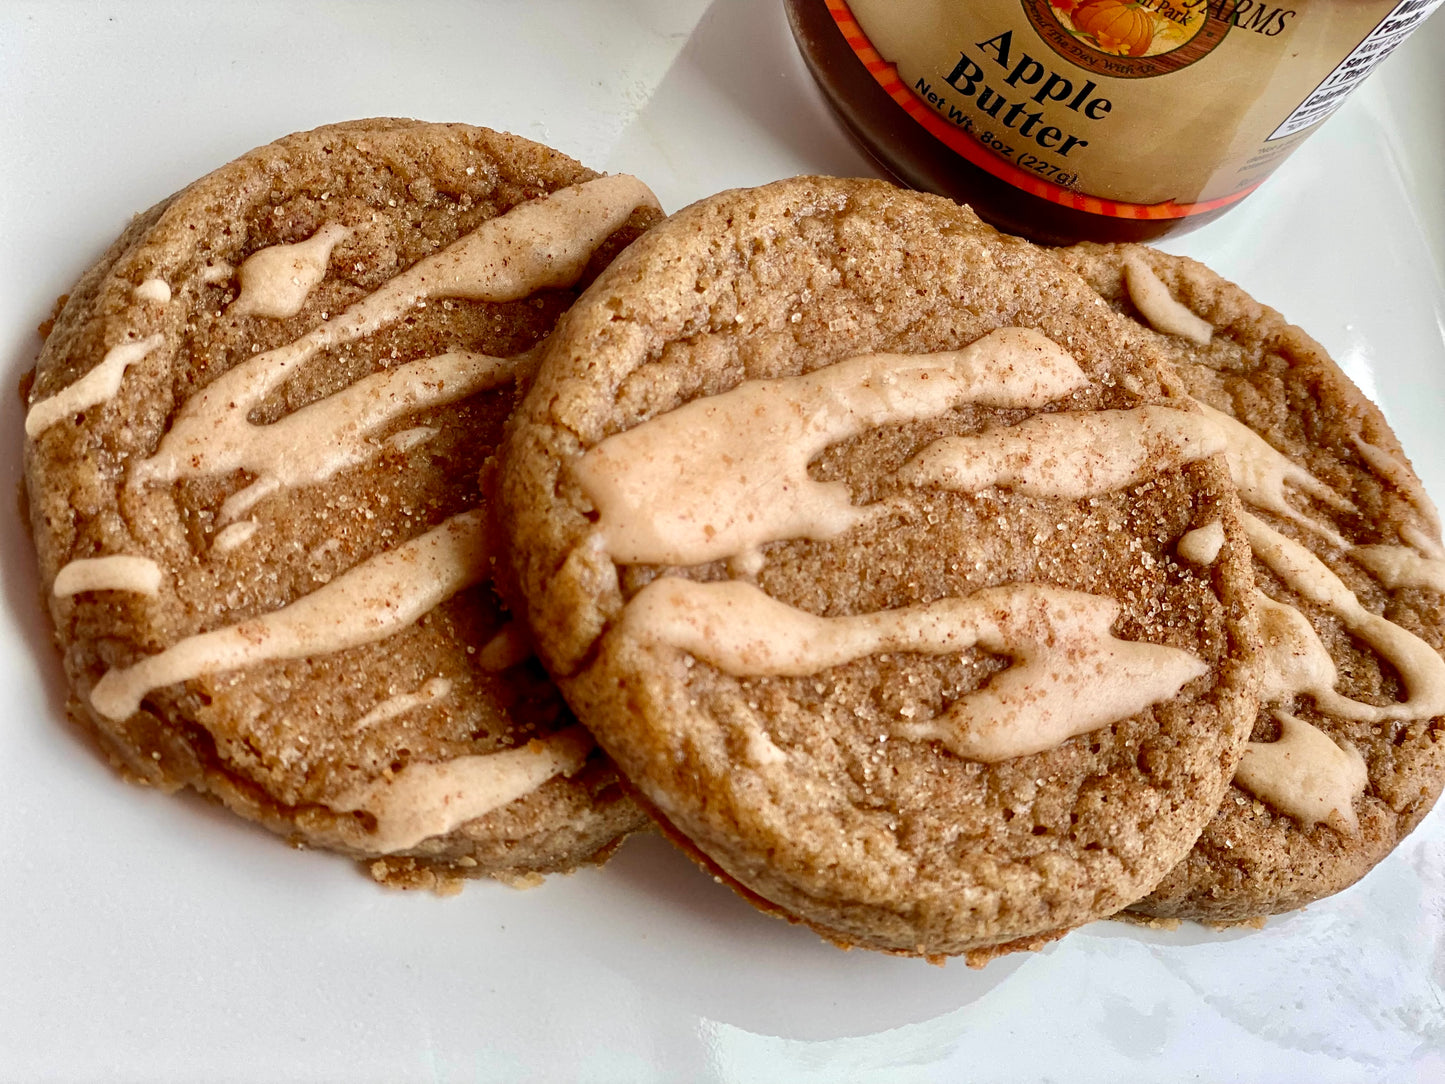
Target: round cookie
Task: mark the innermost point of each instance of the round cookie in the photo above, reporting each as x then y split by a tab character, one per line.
848	526
1348	752
255	441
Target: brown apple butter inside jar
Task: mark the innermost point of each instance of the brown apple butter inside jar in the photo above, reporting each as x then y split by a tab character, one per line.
1105	120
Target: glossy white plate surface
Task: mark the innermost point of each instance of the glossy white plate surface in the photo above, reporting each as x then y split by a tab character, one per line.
151	938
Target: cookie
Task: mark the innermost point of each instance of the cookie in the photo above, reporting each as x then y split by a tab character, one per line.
848	526
1348	752
255	439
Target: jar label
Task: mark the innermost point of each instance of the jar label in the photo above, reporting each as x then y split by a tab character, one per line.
1143	109
1361	61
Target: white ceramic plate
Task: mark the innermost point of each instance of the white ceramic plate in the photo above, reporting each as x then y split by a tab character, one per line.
153	938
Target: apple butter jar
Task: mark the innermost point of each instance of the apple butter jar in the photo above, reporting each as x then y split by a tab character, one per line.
1106	120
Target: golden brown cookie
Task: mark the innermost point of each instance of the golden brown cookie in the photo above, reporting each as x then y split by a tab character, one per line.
255	436
848	525
1348	752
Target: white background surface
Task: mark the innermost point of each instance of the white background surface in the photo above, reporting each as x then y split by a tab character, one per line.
153	938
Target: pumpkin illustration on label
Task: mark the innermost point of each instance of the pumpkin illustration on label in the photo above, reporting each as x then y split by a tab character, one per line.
1127	39
1115	26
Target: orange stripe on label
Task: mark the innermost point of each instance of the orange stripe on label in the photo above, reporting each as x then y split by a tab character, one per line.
970	149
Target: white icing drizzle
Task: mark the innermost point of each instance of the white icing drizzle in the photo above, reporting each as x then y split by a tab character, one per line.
1420	668
1379	460
1071	454
761	750
216	273
1426	543
313	443
1397	566
243	500
720	476
430	692
154	289
1399	474
543	243
1305	775
426	800
407	439
96	386
510	646
371	601
234	535
1070	675
1260	471
1201	546
276	281
117	572
1157	305
1294	660
1076	454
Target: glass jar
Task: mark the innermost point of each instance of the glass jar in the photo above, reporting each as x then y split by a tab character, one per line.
1107	120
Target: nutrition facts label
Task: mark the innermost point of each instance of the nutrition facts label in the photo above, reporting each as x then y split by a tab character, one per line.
1378	44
